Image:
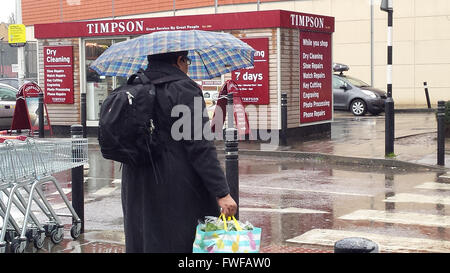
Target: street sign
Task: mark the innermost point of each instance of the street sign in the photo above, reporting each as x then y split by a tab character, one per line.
17	35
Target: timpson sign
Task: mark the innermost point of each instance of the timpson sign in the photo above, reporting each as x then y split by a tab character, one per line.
115	27
213	22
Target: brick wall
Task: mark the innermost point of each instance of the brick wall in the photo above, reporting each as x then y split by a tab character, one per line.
55	11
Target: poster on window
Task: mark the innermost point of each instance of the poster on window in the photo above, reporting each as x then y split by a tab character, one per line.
253	82
315	77
58	74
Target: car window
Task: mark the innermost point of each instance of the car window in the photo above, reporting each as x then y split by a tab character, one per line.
337	83
356	82
7	94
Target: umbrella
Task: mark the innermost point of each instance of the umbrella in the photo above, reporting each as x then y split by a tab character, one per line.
212	53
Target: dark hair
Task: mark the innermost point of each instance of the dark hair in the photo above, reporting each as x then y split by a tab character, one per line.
169	57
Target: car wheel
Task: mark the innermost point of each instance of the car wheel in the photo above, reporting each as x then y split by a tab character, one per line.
358	107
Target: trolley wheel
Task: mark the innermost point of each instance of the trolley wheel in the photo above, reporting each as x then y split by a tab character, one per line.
75	230
57	235
2	248
18	245
39	239
49	228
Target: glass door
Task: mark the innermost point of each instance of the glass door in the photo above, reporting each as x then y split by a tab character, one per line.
98	87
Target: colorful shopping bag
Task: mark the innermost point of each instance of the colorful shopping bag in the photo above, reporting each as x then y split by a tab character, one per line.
227	241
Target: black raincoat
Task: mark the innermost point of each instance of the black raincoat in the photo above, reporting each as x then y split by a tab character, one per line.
160	215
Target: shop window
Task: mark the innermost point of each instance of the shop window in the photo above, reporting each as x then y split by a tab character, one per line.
98	87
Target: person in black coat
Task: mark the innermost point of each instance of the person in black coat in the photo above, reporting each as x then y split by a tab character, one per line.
161	215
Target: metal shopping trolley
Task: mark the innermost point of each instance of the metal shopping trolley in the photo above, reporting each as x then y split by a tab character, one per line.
26	164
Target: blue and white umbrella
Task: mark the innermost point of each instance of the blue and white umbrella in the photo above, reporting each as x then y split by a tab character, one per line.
212	53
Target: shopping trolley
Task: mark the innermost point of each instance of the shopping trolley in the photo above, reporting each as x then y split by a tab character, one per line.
26	164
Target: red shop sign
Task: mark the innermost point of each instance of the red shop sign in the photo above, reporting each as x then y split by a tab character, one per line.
315	77
214	22
58	74
253	82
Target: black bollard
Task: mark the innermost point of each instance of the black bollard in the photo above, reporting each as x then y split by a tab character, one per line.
283	138
83	114
41	115
427	95
232	154
389	126
76	131
441	133
355	245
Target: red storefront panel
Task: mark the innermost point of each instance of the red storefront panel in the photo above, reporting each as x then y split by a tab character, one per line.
315	77
253	82
58	74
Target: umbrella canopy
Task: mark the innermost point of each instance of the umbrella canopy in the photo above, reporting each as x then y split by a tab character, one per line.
212	53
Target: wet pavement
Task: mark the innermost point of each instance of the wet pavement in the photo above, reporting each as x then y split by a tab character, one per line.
305	205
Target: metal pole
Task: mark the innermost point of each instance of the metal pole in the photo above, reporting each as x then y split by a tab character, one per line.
372	78
83	114
427	95
76	131
283	139
232	154
20	50
174	7
389	104
441	133
41	115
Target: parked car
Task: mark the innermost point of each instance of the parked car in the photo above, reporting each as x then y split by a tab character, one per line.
7	105
14	82
355	95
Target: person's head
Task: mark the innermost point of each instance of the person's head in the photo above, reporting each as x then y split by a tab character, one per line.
178	59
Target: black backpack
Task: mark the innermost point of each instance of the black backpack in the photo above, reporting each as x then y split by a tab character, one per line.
128	130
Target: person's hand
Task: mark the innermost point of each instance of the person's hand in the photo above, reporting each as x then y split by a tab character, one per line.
228	205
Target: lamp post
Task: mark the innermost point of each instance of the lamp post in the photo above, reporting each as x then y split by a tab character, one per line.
386	5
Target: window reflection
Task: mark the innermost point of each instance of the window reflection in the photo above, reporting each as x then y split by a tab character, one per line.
98	87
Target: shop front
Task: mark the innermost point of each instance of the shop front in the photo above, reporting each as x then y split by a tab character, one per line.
293	56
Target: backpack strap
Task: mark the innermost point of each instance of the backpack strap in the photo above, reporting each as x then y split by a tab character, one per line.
139	75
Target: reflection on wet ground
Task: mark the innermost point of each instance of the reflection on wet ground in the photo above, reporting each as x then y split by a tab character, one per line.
286	198
302	202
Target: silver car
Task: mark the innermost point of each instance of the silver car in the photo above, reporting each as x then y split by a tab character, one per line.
7	105
355	95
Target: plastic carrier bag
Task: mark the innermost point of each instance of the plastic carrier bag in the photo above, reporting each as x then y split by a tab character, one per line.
217	235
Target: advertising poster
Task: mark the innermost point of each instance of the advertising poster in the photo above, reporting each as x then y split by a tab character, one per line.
58	74
315	77
33	112
253	82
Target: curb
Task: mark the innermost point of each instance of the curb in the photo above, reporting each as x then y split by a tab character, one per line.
334	159
415	110
344	160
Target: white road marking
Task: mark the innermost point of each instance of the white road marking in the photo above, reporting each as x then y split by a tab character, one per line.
303	190
279	210
104	191
386	243
65	190
434	186
117	181
418	198
399	218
